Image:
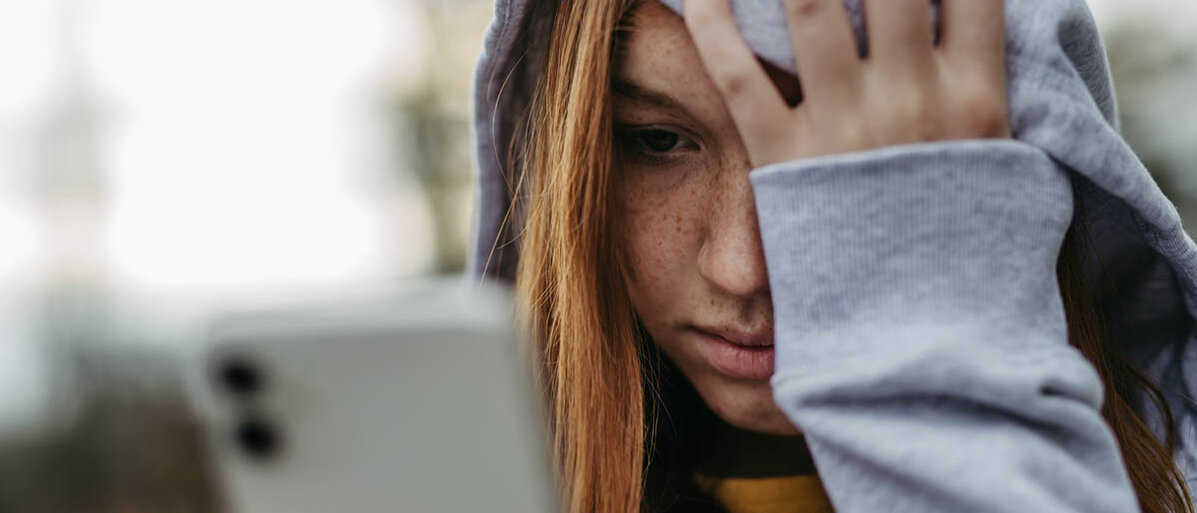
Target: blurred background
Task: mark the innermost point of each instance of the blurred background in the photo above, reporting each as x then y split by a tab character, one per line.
163	159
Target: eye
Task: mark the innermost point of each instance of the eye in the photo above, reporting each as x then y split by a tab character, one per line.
659	140
652	145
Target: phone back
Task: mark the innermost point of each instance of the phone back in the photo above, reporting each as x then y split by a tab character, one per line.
412	401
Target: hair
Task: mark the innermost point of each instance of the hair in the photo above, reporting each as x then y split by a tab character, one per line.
606	388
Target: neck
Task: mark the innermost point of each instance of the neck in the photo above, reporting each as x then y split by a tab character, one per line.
728	451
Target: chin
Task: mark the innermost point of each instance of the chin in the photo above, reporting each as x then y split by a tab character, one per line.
744	405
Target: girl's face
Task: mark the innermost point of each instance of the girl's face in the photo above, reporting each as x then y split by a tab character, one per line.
694	262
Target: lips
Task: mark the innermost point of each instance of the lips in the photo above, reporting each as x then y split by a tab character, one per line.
742	337
737	354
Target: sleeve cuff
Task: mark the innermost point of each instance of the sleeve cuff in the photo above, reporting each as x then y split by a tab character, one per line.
942	233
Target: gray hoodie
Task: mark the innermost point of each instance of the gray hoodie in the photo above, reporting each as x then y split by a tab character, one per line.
921	343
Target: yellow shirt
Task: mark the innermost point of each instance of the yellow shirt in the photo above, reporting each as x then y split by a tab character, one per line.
786	494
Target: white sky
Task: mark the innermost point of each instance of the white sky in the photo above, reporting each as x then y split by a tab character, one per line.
243	138
242	145
248	140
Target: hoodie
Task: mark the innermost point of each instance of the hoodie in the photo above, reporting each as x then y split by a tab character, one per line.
920	337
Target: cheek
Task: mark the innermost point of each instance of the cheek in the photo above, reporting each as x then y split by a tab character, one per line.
662	232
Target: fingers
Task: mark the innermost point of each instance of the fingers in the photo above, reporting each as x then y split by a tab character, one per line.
825	49
751	98
975	31
901	37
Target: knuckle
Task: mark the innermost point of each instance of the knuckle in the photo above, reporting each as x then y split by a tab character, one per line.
909	107
732	83
768	141
981	112
853	136
908	115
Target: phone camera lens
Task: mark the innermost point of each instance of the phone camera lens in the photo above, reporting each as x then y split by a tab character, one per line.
240	376
258	438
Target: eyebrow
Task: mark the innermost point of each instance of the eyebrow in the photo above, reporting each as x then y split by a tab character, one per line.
635	92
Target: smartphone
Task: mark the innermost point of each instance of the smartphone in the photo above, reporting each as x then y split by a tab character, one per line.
416	399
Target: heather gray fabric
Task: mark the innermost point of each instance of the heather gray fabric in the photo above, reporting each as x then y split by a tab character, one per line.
921	342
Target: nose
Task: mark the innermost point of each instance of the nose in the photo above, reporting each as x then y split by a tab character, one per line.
732	258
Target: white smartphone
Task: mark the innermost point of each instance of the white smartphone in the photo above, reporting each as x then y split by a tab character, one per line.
413	400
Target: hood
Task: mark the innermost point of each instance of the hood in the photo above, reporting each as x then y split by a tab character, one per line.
1065	107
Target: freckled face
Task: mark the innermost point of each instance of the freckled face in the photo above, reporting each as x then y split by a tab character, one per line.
695	267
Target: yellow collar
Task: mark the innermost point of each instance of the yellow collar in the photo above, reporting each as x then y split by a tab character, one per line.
785	494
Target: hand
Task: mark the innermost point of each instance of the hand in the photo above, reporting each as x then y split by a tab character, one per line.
908	90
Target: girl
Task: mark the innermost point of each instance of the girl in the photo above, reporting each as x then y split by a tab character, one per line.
887	255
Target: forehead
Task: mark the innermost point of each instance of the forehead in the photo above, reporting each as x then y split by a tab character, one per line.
658	54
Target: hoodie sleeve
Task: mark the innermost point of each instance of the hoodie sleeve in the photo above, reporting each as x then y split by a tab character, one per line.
921	344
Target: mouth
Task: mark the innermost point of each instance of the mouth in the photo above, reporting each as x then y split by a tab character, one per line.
751	338
737	354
